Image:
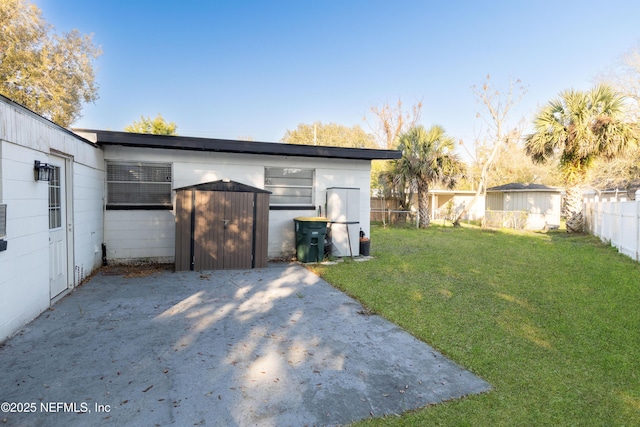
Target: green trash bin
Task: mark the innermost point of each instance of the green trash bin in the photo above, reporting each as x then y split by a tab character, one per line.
310	234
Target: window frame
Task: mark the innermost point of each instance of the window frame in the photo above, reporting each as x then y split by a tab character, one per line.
110	205
55	199
3	221
290	206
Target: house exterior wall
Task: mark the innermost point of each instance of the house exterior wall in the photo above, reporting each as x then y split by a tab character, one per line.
132	235
24	266
140	235
459	201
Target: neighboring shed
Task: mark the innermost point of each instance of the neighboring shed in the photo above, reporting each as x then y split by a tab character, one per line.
221	225
530	206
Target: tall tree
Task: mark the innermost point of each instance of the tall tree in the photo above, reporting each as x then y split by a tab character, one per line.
392	120
623	171
330	134
498	106
511	164
624	77
156	126
50	74
428	158
514	165
387	123
581	126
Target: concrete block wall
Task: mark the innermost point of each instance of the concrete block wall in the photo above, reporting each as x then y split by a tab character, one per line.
132	235
24	266
140	236
88	218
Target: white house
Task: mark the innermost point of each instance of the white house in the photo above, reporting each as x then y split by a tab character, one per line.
111	197
53	229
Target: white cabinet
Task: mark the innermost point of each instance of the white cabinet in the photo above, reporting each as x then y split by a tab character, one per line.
343	212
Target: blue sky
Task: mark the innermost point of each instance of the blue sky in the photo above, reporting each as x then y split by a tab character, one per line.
238	69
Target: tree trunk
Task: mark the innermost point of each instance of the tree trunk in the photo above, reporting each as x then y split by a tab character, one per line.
404	199
482	185
423	205
573	210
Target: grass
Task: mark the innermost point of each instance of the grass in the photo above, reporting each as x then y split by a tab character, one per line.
551	320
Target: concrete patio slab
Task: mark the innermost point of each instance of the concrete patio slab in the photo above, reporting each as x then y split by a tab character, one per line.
267	347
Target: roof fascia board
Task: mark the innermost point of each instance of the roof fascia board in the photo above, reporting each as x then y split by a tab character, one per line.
42	119
233	146
459	192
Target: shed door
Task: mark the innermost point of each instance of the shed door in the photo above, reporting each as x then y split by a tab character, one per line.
223	230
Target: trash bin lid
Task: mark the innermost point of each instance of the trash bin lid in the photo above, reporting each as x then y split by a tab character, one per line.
311	218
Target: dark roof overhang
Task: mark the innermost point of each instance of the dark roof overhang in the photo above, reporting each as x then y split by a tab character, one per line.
127	139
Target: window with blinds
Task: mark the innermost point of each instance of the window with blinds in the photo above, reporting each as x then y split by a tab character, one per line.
138	185
289	186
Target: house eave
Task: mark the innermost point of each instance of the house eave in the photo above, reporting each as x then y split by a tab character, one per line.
42	119
127	139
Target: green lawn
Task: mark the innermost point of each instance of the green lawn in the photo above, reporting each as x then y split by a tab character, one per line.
551	320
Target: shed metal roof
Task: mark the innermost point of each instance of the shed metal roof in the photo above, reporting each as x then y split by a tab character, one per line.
224	185
128	139
515	186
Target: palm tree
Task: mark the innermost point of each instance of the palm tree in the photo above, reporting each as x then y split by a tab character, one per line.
579	127
427	159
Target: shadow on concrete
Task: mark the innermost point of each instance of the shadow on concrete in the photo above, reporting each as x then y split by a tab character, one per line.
269	347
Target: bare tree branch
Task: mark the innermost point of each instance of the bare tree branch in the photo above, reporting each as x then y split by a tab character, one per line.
497	107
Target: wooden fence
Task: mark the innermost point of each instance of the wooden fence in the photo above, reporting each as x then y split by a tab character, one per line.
615	221
388	211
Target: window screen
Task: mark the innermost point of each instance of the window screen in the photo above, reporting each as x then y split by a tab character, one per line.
142	185
289	186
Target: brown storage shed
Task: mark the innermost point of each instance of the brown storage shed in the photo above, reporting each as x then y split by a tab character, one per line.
221	225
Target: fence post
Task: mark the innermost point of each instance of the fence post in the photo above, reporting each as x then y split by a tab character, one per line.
596	217
637	221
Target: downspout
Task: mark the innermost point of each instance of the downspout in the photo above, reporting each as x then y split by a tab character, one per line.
192	243
255	227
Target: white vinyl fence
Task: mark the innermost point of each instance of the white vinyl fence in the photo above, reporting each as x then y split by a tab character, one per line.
615	221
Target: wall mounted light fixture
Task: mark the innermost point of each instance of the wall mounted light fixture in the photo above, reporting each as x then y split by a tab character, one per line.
42	171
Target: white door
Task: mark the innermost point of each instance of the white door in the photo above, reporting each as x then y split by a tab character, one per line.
58	262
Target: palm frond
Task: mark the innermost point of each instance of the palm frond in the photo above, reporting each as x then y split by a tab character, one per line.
581	126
